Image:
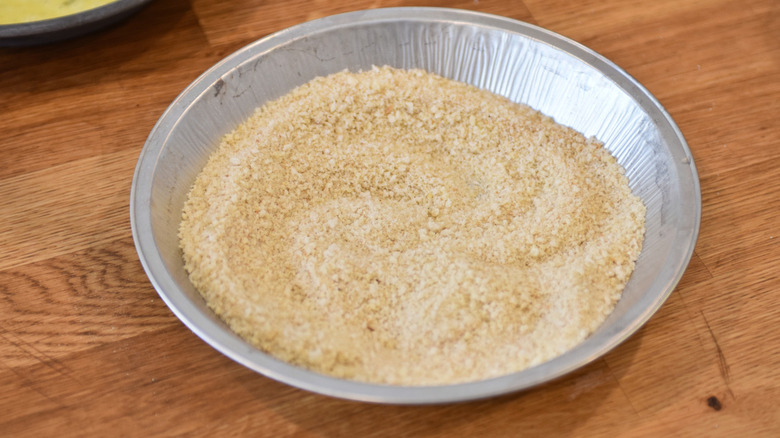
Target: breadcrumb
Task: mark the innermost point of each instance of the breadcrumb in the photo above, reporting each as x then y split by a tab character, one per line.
397	227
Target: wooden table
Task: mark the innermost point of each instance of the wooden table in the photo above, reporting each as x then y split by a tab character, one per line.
88	348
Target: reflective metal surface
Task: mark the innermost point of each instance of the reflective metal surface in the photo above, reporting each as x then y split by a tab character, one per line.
557	76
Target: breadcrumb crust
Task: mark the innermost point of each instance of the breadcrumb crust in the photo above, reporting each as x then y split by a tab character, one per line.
397	227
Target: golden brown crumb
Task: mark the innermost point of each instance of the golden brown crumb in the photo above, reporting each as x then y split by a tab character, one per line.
393	226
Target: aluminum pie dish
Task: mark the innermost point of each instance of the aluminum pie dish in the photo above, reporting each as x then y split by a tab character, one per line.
67	26
525	63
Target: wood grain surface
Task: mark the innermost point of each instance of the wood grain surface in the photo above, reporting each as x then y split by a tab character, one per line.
88	348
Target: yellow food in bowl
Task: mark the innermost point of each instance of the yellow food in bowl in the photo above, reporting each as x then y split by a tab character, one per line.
23	11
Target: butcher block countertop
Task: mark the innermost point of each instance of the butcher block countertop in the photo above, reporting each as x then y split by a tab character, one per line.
88	348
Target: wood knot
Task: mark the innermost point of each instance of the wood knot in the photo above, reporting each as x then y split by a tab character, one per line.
714	403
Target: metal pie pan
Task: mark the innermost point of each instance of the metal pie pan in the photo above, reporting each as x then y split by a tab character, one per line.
525	63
